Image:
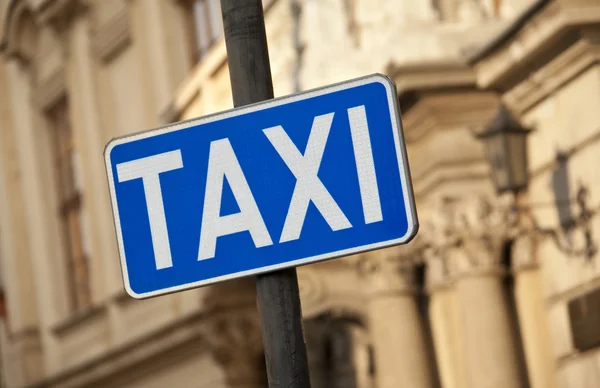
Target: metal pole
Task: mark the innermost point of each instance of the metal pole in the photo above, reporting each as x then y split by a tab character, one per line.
278	295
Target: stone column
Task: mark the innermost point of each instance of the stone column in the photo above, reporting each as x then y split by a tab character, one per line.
234	334
444	319
397	330
37	217
490	343
17	268
532	315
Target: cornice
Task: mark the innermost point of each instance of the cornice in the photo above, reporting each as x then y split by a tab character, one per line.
546	34
450	172
508	32
390	271
438	109
431	75
542	83
121	357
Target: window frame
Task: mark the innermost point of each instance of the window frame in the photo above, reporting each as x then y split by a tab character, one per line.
69	203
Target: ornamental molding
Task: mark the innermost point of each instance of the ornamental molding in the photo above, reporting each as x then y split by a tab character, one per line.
549	29
389	271
523	253
235	341
314	293
484	226
541	83
466	236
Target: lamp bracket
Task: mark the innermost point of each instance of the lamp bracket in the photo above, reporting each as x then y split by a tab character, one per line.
561	235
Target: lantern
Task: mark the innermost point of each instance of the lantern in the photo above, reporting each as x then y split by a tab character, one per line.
505	143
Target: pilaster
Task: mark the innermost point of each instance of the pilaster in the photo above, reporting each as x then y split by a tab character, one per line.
394	320
490	345
36	213
533	319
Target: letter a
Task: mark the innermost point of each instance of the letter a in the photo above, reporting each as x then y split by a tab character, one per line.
222	163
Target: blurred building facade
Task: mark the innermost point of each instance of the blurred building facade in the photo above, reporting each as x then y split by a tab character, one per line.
483	298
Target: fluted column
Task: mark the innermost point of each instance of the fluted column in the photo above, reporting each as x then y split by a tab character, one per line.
532	316
489	337
444	321
398	332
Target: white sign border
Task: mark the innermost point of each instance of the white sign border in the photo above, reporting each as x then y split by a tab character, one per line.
406	182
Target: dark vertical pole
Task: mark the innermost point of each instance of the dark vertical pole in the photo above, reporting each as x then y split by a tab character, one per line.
278	296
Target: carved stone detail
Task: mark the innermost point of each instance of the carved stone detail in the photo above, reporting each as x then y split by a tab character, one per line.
388	271
438	238
437	274
313	290
523	253
468	235
233	332
235	340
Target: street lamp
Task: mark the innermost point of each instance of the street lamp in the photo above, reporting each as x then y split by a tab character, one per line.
505	141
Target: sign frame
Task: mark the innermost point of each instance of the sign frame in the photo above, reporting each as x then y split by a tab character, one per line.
403	168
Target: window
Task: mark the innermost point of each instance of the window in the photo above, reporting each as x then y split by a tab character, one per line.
205	26
67	178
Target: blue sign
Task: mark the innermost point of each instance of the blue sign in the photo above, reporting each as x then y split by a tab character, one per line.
282	183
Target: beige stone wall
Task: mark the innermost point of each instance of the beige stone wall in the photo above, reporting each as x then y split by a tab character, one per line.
568	125
557	98
124	67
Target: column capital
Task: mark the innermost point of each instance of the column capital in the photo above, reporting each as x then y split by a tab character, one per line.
438	237
235	341
523	253
388	271
233	332
437	273
469	234
484	225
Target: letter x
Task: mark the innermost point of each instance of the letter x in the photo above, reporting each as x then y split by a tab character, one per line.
308	186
